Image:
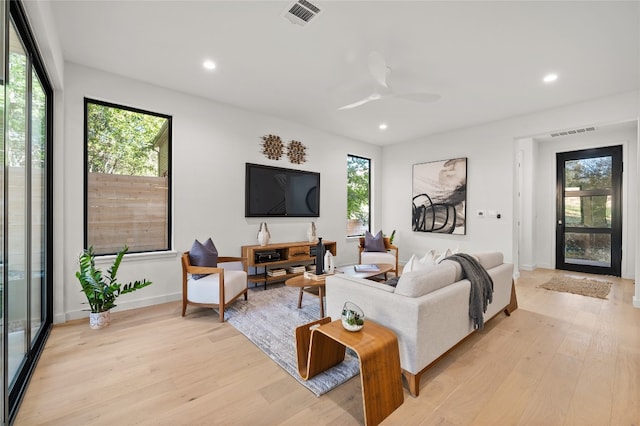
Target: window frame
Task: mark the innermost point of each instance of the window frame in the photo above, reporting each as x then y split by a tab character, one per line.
368	193
169	118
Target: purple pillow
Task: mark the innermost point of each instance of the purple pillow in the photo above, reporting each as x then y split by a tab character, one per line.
203	255
372	243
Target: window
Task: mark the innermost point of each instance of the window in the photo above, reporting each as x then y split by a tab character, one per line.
358	195
127	178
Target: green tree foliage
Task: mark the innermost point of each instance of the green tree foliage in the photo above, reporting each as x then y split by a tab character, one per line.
16	110
120	141
358	189
588	173
17	114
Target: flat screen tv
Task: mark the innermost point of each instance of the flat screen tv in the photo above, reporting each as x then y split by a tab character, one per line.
274	191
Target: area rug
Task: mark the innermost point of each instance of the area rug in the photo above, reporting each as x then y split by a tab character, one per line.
269	319
582	286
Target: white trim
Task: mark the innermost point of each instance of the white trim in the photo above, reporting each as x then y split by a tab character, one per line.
122	306
137	257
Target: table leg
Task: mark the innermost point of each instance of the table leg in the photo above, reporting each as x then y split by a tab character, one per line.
300	300
380	375
316	352
321	295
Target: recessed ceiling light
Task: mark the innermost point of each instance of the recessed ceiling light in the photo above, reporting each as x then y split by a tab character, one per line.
550	78
208	64
383	126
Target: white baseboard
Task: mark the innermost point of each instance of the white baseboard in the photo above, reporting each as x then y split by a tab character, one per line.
528	267
636	302
122	306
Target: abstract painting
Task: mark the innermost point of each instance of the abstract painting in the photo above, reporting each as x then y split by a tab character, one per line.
440	196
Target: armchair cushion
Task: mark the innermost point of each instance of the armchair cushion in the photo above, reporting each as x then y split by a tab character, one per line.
374	243
206	290
203	255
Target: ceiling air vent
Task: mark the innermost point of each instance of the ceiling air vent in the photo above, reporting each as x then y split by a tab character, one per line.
573	132
301	12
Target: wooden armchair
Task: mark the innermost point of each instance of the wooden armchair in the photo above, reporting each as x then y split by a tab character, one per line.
223	285
372	257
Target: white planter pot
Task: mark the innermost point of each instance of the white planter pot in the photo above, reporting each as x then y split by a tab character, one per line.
99	320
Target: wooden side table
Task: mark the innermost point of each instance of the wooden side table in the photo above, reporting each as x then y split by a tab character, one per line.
309	285
321	345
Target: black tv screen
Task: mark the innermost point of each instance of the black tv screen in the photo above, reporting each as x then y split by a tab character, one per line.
274	191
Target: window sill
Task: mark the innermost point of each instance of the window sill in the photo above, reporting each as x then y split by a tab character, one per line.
138	257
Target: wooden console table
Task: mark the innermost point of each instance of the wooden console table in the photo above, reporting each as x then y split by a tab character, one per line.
321	345
288	254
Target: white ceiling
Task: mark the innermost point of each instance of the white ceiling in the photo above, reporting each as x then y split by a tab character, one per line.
485	59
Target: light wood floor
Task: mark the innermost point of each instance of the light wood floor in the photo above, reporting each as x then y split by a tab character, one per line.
560	359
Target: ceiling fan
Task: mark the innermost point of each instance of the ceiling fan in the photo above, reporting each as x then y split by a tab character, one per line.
380	71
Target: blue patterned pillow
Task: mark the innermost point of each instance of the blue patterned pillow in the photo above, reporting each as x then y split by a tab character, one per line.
203	255
374	243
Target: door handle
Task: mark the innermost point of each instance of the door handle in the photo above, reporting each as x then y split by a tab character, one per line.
559	222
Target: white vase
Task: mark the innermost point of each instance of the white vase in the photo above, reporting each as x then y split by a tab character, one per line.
263	234
328	263
312	235
98	320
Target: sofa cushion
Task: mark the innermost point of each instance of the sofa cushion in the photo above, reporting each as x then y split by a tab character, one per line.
490	259
459	272
374	243
424	281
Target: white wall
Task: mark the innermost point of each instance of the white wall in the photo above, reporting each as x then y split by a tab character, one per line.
489	160
211	144
491	151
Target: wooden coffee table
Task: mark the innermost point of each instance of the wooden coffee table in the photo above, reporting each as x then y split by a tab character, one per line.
383	268
316	286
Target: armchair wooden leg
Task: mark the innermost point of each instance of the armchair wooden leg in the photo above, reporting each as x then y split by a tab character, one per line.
184	308
221	310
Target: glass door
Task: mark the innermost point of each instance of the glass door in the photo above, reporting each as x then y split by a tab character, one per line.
3	332
589	211
26	218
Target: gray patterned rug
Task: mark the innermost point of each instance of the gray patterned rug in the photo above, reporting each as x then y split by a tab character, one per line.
269	319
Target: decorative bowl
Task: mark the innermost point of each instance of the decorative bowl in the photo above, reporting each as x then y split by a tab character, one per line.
352	317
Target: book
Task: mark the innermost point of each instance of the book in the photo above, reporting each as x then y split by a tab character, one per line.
313	276
276	272
366	268
296	269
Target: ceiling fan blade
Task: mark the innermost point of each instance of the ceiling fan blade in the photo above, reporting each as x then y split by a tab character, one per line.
378	68
418	97
370	98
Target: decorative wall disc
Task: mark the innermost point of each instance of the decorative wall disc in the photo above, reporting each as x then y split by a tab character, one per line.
296	152
272	147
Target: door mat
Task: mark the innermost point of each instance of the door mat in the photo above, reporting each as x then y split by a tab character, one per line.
582	286
269	319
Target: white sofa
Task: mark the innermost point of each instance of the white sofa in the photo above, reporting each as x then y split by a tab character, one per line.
428	309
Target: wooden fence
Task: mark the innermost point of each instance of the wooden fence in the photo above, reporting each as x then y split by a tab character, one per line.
131	210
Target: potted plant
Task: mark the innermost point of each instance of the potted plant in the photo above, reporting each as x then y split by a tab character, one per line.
102	290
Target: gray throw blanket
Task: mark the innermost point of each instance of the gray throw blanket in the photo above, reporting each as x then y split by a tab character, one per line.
481	287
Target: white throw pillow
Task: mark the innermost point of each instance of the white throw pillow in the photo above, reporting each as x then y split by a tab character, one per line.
443	256
429	258
447	253
415	264
408	267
